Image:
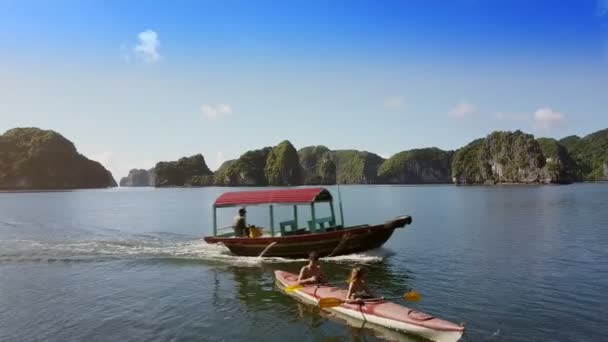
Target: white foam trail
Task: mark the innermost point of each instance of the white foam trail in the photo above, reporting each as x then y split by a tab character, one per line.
153	247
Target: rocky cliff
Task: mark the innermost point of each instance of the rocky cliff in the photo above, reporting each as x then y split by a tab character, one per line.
36	159
318	165
502	157
139	177
418	166
559	164
187	171
357	167
283	165
248	170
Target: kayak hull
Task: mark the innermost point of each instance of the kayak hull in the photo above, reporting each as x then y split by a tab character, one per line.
382	313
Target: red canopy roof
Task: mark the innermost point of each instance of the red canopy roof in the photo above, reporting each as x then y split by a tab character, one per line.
299	195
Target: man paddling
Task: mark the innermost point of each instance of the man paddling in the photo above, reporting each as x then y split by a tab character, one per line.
311	273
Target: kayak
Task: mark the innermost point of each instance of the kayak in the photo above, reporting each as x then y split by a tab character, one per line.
383	313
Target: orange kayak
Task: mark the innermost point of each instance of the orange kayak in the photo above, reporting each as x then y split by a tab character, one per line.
383	313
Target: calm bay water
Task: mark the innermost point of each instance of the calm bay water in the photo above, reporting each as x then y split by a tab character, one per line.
515	263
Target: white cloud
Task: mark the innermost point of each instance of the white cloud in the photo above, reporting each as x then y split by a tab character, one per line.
147	48
396	102
546	118
214	112
462	110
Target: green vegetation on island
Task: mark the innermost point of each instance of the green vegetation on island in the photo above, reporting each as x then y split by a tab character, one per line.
502	157
36	159
514	157
499	158
283	165
591	154
418	166
560	165
357	167
247	170
570	142
318	165
465	164
187	171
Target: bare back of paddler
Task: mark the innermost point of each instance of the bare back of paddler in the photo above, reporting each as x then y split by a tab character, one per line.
311	273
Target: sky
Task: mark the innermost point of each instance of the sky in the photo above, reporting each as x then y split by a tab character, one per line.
133	83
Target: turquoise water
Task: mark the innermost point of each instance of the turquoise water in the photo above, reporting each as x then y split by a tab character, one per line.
515	263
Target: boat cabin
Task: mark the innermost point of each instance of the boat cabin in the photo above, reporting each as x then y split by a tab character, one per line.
310	197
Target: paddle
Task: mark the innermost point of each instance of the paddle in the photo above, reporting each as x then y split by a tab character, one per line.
332	301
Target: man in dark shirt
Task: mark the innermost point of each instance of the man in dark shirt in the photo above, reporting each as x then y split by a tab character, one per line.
240	225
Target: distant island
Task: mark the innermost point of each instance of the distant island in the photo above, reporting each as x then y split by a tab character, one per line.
139	177
499	158
36	159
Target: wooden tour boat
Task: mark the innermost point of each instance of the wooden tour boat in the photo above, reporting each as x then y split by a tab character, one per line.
322	234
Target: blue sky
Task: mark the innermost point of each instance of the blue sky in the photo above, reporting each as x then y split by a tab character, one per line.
133	84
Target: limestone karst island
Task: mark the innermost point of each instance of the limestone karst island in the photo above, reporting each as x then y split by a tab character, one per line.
37	159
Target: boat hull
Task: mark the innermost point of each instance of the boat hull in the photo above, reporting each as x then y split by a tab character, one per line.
337	242
382	313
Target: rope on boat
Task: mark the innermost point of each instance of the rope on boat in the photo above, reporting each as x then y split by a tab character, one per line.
345	237
266	249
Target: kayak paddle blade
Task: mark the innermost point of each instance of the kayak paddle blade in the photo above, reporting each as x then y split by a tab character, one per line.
329	302
412	296
293	288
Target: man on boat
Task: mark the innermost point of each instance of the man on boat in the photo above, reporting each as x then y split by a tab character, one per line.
240	225
311	273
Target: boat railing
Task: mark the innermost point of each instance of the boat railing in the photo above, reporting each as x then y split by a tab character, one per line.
321	223
229	231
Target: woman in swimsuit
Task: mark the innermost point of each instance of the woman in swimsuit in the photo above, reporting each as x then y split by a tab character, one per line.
357	290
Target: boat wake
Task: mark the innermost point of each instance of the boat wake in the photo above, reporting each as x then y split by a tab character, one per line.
149	246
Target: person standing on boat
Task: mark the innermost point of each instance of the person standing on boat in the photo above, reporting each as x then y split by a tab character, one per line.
311	273
240	224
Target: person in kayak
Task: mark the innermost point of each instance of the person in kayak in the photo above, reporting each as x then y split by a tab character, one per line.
311	273
357	290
